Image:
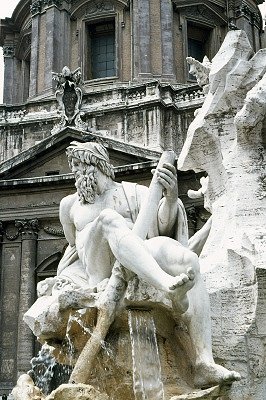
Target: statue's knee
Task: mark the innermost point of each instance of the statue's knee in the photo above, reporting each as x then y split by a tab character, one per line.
109	218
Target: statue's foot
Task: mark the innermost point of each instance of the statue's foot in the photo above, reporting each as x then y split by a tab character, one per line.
178	290
180	281
210	374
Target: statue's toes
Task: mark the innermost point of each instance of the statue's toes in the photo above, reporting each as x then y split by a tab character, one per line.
232	376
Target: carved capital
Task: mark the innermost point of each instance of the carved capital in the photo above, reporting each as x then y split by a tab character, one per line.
245	11
38	6
9	50
28	228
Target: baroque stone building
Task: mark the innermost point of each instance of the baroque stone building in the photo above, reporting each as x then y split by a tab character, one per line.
137	97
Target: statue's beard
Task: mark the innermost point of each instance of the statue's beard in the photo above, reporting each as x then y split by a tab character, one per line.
86	187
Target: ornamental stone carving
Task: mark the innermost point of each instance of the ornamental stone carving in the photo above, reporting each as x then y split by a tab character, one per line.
246	11
9	51
99	7
27	228
204	13
69	97
54	231
39	5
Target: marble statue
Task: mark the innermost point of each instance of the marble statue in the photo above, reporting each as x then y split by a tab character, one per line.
98	221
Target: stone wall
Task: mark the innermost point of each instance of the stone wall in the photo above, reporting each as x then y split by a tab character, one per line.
152	115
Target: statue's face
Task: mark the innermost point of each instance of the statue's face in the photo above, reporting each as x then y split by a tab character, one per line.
77	167
86	182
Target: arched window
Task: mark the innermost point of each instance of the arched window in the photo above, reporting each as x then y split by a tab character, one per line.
48	267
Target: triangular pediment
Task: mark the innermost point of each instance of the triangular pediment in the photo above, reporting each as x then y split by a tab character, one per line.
202	11
48	157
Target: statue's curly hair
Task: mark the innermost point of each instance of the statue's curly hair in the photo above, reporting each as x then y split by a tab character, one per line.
91	153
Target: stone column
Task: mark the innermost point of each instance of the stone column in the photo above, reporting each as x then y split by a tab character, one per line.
167	39
25	347
141	39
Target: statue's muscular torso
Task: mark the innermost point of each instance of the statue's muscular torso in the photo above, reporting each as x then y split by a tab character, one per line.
81	228
79	215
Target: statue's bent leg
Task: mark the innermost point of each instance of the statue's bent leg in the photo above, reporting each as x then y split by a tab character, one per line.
175	259
179	262
198	320
131	251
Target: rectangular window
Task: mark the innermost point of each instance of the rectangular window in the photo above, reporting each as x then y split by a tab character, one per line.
198	39
102	54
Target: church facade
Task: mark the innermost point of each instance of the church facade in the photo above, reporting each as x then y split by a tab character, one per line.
136	96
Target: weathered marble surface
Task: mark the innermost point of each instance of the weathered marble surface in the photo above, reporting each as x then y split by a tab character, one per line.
227	140
104	221
77	392
26	390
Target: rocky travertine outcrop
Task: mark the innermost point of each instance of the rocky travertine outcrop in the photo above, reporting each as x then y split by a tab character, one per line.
227	140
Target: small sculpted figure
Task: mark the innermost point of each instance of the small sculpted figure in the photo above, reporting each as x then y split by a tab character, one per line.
98	221
72	77
201	71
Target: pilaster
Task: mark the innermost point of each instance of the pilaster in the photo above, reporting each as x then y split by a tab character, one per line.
167	39
29	234
57	42
9	303
11	74
54	17
34	55
141	39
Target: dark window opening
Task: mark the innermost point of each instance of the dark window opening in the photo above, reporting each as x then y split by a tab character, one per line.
49	173
101	50
198	42
26	78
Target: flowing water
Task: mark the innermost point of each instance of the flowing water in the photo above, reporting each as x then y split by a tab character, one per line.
146	363
42	370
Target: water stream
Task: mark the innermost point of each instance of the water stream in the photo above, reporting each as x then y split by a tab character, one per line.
42	371
147	382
